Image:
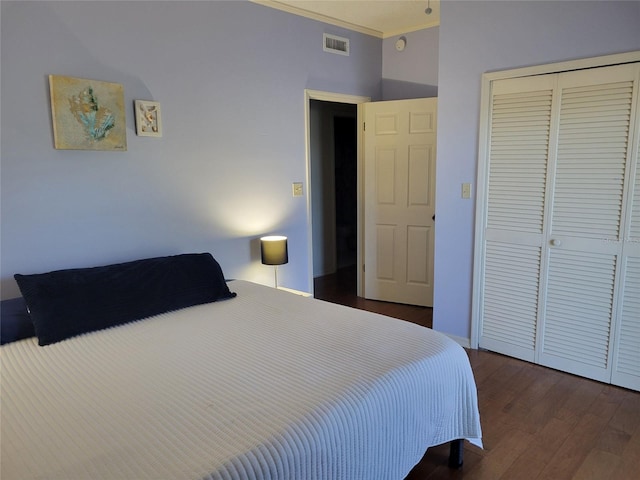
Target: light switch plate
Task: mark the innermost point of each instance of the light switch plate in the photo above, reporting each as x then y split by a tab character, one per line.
297	189
466	190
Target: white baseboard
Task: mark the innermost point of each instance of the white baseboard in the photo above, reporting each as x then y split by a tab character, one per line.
463	342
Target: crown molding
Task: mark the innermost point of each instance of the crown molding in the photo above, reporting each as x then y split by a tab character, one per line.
317	16
393	33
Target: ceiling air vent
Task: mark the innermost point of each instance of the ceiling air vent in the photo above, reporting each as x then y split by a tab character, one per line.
334	44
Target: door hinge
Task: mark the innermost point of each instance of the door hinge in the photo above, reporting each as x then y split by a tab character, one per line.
364	126
363	267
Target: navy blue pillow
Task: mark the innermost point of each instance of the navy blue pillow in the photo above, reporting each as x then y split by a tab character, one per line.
16	322
70	302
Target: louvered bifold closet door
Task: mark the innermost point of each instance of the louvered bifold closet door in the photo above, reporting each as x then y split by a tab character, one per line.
585	242
520	122
626	361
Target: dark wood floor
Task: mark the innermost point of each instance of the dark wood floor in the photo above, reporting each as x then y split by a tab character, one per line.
340	288
537	423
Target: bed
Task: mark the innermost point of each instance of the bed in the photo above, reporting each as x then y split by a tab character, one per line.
257	384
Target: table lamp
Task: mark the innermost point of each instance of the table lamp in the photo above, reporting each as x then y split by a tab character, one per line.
273	250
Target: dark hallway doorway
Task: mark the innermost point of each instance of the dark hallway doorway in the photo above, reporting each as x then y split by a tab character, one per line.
346	177
334	177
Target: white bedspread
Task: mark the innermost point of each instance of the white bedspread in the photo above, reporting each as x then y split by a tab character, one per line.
268	385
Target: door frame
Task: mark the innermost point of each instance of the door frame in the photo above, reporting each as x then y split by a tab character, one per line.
337	98
483	152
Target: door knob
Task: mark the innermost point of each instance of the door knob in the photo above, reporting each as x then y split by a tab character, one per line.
555	242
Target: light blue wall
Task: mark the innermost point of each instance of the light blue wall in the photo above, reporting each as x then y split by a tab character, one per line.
481	36
413	72
230	77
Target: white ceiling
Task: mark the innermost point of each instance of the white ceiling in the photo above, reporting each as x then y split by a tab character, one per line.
381	18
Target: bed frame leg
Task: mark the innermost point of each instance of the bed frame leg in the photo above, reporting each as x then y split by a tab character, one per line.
456	453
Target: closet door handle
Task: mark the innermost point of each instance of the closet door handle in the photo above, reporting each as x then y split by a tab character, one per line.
555	242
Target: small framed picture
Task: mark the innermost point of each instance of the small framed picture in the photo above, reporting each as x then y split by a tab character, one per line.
148	121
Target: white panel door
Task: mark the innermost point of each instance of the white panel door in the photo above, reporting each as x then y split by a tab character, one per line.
399	191
585	239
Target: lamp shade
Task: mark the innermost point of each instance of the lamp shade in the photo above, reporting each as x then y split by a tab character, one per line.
274	250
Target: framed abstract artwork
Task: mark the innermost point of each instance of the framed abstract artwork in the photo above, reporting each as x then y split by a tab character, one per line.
87	114
148	120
